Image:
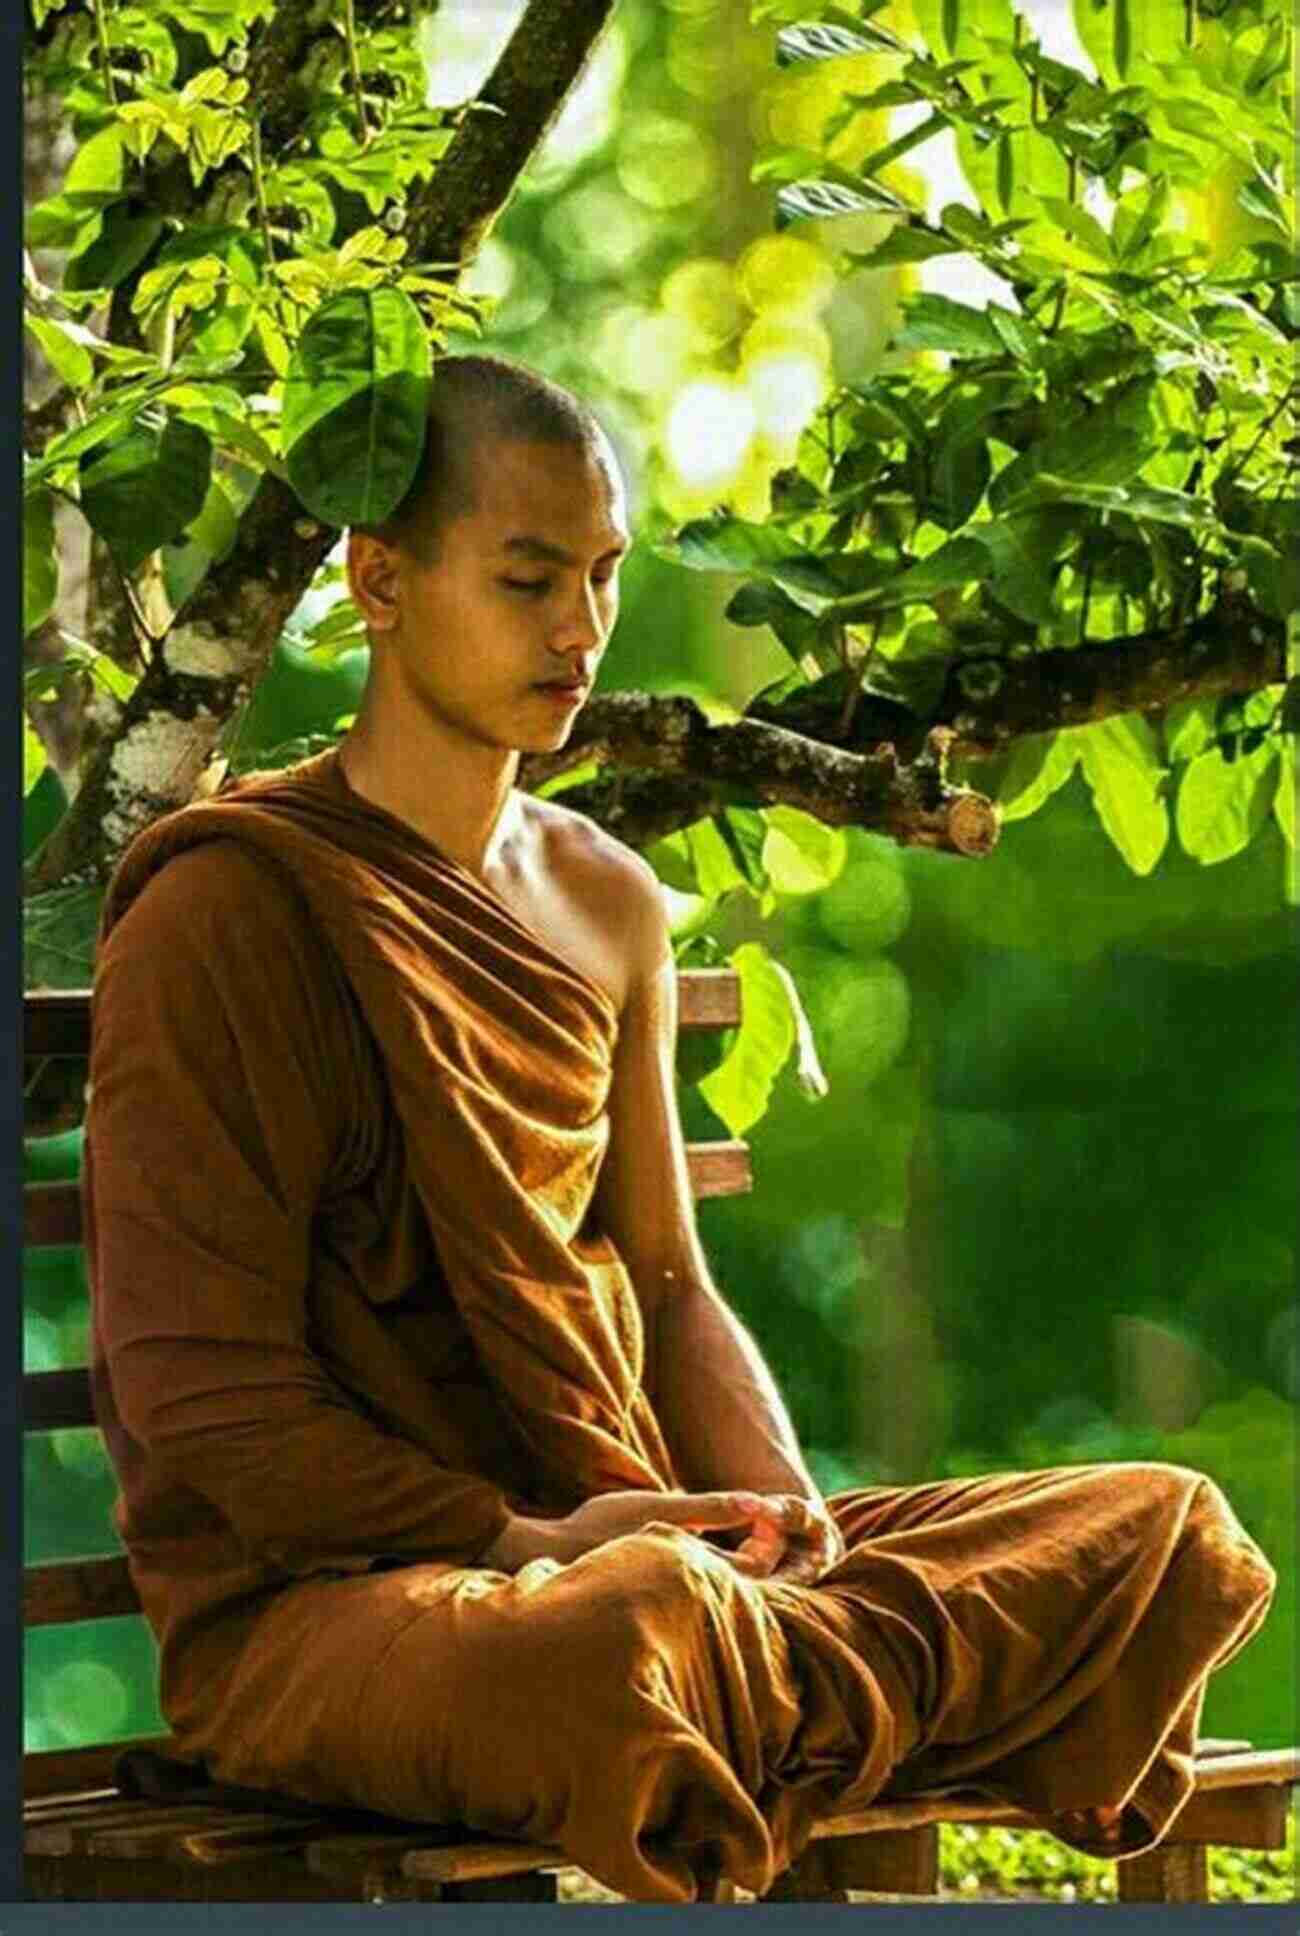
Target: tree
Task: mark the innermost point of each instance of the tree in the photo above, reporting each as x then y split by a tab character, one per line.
1063	535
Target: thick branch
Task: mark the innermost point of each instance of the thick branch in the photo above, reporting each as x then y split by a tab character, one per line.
221	645
542	61
668	767
989	702
681	768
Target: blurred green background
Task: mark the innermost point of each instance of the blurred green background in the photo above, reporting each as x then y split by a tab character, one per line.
1047	1212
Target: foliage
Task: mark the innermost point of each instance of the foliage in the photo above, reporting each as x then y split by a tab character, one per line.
221	270
1098	453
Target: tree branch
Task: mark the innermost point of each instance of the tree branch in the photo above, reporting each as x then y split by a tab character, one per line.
223	641
521	98
683	768
989	701
669	767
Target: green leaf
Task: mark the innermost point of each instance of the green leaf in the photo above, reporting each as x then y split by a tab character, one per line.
801	854
1122	767
739	1092
823	200
1086	229
809	1074
1021	548
250	443
1006	176
140	492
1221	807
40	560
724	543
743	831
904	243
713	861
34	760
1108	445
1138	500
68	358
124	240
1284	798
959	475
1017	334
356	400
1039	765
1121	38
1133	232
938	323
959	562
1273	576
206	540
1189	728
98	164
674	863
59	930
1258	197
818	41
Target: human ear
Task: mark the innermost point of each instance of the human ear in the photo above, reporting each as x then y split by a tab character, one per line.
373	580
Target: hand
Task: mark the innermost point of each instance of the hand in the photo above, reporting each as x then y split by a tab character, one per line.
794	1540
611	1514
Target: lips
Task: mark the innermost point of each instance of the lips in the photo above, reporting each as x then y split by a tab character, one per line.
573	686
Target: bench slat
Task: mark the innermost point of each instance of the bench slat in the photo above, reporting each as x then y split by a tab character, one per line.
708	998
1265	1766
719	1169
1251	1815
49	1773
56	1021
82	1834
78	1590
56	1401
52	1211
51	1214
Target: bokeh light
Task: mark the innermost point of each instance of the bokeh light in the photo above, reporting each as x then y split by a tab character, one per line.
786	388
665	163
708	431
596	230
785	273
40	1343
81	1451
85	1700
515	280
703	293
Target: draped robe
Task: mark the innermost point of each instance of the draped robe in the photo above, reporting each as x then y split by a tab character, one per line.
317	1434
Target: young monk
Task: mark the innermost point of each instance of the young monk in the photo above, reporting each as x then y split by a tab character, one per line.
450	1484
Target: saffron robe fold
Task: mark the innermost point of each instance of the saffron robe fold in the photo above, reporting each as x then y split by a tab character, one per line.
351	1306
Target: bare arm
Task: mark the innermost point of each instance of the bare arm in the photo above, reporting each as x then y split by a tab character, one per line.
716	1401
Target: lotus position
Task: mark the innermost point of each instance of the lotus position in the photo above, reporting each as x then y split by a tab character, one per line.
451	1486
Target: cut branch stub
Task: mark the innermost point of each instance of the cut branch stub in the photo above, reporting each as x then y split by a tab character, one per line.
670	767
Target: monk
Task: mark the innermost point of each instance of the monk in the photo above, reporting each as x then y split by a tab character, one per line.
450	1484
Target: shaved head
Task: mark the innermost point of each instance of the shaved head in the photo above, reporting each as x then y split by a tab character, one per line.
478	401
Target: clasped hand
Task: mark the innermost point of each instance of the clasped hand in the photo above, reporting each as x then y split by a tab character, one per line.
788	1537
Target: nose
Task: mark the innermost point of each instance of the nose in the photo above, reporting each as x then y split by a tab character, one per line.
582	633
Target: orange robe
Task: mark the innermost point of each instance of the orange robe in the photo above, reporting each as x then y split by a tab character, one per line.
351	1306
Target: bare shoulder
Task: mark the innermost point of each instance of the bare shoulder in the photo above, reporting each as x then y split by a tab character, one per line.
611	887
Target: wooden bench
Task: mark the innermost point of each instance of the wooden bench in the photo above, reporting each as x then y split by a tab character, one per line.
86	1839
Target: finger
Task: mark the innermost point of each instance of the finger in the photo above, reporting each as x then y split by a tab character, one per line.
716	1509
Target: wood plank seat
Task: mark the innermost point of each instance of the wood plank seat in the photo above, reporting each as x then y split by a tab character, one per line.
86	1840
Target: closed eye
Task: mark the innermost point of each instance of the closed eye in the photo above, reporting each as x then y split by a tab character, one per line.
540	585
